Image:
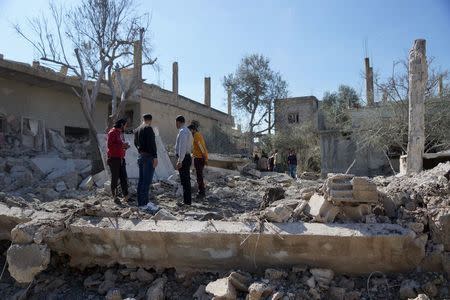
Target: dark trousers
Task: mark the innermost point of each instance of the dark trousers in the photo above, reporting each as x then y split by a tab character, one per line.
118	171
185	178
199	164
146	171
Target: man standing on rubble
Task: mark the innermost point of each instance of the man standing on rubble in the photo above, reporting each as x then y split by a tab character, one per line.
292	163
116	159
200	154
183	148
144	140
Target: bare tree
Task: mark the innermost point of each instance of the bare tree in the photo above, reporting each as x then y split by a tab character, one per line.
385	127
254	87
94	41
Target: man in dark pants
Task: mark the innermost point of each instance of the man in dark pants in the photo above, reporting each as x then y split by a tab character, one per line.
183	148
116	159
144	140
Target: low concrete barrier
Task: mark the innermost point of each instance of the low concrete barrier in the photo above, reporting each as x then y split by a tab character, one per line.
218	245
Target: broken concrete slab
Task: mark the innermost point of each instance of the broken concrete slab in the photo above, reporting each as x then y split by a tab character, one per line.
279	214
321	209
25	261
192	244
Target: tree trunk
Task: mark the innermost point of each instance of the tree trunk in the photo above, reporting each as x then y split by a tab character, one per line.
418	75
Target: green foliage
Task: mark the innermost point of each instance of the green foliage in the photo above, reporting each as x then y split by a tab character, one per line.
254	86
336	104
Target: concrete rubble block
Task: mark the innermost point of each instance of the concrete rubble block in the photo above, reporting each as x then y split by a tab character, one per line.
100	178
53	166
279	214
272	194
23	234
222	289
156	290
322	276
240	281
258	290
363	184
300	208
163	214
274	274
144	276
355	213
306	193
56	140
321	209
87	183
440	228
311	282
26	261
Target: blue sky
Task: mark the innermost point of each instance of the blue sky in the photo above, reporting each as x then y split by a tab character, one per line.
315	45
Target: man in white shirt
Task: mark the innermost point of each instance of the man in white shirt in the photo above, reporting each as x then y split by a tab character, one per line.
183	147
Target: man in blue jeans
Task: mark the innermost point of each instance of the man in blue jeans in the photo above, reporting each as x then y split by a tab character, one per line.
144	140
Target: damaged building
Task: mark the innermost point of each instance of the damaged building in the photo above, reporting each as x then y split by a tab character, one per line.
35	98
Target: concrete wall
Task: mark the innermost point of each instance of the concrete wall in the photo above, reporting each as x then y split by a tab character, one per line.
305	107
165	106
58	108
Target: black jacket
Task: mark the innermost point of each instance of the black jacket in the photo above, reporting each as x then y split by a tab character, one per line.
144	140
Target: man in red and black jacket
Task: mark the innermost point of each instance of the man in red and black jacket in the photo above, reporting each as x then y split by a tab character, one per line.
116	159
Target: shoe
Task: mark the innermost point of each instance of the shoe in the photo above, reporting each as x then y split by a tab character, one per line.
151	207
117	200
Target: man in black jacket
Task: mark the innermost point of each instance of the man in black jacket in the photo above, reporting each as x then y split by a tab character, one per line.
144	140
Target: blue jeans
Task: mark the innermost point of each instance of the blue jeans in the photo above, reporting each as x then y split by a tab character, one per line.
146	172
293	170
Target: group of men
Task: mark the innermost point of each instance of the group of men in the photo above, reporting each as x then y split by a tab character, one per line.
272	163
189	139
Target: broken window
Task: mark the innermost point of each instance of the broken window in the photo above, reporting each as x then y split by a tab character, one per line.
293	118
76	133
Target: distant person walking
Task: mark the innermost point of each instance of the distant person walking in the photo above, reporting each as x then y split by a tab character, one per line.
276	161
183	147
270	163
116	159
292	163
144	140
200	154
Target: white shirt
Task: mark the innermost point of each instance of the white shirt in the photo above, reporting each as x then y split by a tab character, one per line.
183	144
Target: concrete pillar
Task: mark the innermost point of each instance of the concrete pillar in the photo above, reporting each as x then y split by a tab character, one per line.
175	78
229	101
208	91
418	75
369	83
441	87
137	59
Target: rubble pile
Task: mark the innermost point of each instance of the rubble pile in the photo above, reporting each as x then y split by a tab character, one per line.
60	281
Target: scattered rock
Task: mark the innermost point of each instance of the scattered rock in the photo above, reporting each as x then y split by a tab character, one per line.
274	274
113	294
321	209
257	290
421	297
279	214
408	289
240	281
222	289
163	214
272	194
105	286
156	290
144	276
323	276
201	294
